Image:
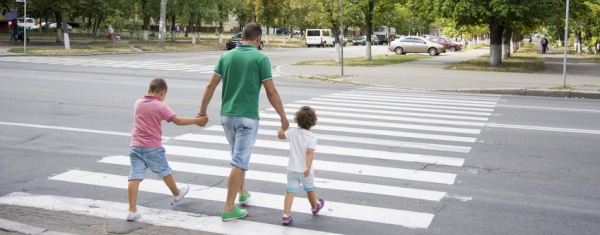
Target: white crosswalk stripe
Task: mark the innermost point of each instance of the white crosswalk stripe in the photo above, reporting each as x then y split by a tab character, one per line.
91	62
154	65
410	129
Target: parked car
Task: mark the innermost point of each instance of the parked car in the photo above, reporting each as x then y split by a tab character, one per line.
362	40
343	40
382	39
237	39
416	45
452	46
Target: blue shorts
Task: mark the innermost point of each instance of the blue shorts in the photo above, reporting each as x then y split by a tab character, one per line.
294	179
241	134
143	158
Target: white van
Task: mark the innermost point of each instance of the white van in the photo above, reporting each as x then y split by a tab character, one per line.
318	37
29	24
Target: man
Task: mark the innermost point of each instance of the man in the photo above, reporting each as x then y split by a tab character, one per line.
243	71
544	43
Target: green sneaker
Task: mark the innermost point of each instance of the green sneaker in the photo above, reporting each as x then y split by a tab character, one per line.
235	214
244	198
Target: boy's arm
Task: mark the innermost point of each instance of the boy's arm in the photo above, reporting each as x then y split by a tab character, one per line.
182	121
309	160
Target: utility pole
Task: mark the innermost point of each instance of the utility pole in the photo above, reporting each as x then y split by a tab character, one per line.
566	44
341	38
161	24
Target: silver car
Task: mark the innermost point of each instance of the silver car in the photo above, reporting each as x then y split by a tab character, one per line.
416	45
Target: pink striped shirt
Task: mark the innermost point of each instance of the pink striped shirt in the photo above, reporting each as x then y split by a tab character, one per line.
148	113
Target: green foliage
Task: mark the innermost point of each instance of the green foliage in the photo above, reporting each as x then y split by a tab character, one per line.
454	17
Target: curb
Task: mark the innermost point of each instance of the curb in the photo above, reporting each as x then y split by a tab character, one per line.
532	92
10	226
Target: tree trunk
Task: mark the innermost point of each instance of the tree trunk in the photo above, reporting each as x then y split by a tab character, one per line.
369	24
496	29
577	41
173	28
515	41
58	17
506	36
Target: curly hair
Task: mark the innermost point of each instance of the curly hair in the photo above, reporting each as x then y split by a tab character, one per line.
306	117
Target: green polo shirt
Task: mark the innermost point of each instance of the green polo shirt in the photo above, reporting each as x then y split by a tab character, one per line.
242	70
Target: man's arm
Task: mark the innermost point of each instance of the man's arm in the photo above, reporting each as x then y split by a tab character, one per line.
275	101
208	93
281	133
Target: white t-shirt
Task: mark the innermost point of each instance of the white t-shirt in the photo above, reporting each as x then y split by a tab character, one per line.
300	141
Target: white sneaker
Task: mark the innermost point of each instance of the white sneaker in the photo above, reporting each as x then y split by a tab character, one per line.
133	216
182	192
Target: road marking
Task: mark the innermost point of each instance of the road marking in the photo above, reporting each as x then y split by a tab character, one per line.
341	151
395	106
373	106
364	140
403	218
444	101
548	108
376	132
340	167
155	65
542	128
428	93
65	128
156	217
394	116
282	179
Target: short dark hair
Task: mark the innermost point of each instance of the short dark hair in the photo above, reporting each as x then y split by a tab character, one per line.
251	31
157	85
306	117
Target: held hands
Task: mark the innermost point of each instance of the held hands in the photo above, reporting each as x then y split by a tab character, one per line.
201	120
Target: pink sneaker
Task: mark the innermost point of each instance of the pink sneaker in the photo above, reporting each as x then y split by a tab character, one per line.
287	219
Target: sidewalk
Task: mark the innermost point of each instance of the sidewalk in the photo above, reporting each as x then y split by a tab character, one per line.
428	74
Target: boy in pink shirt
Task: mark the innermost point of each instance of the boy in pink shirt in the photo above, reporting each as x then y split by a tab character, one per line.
146	150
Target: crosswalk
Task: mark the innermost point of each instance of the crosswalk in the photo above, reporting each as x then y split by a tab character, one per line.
382	136
131	64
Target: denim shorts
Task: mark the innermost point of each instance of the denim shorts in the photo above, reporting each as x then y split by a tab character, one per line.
143	158
241	134
294	179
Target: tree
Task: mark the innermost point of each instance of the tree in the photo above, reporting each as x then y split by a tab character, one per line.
498	15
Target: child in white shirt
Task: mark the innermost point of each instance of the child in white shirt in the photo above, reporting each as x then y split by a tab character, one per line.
300	171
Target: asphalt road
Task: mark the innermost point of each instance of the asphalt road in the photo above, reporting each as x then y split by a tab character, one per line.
391	161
